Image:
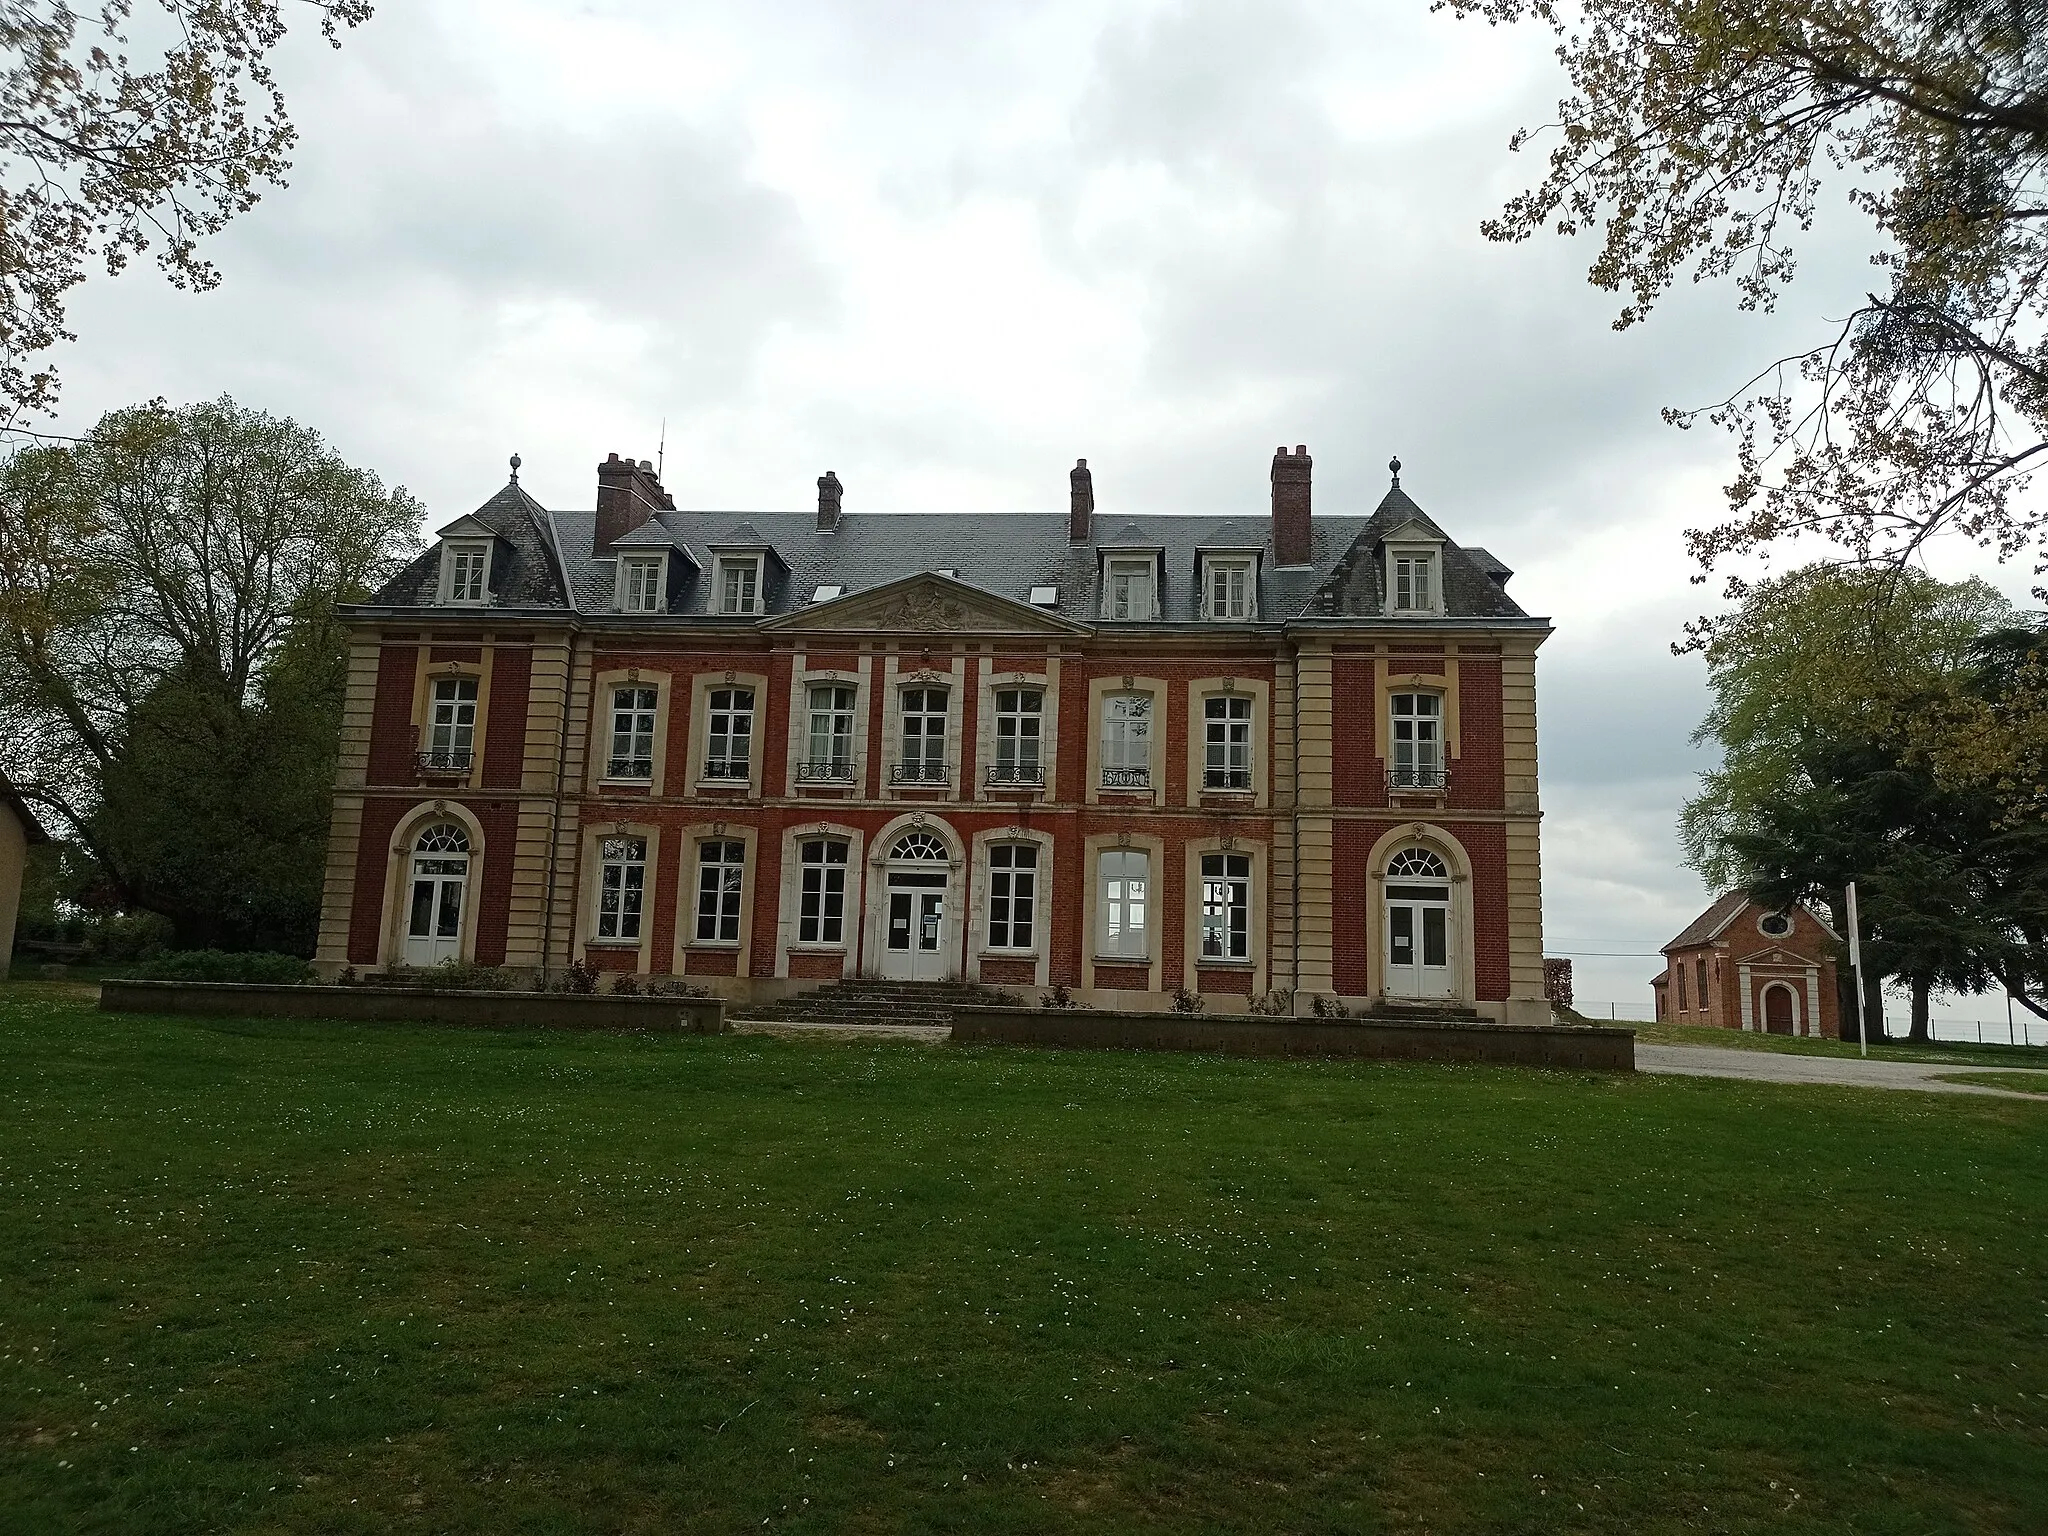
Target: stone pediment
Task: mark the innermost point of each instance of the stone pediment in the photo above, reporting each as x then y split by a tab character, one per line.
1775	955
927	604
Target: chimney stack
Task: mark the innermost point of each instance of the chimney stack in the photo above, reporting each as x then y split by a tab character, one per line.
1290	505
830	493
1081	510
628	495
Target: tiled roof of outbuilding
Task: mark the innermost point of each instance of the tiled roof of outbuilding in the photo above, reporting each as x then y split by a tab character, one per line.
1710	922
1006	554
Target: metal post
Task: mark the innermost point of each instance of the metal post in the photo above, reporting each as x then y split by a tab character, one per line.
1856	965
2008	1018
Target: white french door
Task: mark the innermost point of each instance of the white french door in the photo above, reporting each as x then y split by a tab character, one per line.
433	931
914	936
1418	941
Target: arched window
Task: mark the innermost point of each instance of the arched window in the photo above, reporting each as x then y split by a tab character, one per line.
918	845
445	837
1416	864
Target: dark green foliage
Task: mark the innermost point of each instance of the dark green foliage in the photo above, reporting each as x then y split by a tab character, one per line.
326	1278
220	965
450	976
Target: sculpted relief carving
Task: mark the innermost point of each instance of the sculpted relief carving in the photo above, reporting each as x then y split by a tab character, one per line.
924	610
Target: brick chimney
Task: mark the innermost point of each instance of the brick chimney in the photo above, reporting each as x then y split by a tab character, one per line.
1081	510
1290	506
627	496
830	493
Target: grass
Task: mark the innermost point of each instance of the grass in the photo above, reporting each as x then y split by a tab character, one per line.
2012	1082
1943	1051
313	1277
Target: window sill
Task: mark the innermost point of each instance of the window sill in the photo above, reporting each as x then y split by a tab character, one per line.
728	786
611	783
1132	960
806	949
1227	794
1213	963
1006	954
727	946
625	944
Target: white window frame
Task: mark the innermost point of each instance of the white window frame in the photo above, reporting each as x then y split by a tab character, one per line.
1417	761
821	892
1125	598
746	568
642	583
1123	903
639	704
1019	741
1013	890
621	890
452	706
1239	578
1124	751
1227	743
1404	561
721	890
465	572
840	768
923	749
1226	909
730	722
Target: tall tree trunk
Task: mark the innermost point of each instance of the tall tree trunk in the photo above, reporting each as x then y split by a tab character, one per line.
1921	988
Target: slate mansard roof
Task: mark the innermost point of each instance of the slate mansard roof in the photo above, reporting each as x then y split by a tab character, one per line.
543	561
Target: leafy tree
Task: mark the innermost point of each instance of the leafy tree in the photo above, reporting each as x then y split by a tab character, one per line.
1822	682
170	664
1697	141
103	158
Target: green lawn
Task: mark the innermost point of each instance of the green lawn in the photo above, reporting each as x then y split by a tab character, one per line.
274	1277
2012	1082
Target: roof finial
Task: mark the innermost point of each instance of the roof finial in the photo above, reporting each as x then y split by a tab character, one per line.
515	469
1395	466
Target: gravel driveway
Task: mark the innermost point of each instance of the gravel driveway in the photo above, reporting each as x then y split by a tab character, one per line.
1835	1071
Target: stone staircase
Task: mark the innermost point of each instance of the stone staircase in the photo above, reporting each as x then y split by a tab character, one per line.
876	1002
1387	1012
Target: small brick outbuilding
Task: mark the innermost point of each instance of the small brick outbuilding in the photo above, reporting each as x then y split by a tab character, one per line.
1743	965
18	831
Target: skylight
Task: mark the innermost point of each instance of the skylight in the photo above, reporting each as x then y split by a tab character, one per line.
826	594
1045	597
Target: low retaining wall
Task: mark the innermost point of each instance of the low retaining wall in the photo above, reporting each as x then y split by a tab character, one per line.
1524	1045
418	1005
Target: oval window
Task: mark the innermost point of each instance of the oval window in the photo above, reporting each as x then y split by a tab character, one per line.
1776	924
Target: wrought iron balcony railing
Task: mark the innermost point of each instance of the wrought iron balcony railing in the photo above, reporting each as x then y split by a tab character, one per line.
629	768
1127	778
446	760
1419	778
918	773
1226	778
825	770
730	769
1023	775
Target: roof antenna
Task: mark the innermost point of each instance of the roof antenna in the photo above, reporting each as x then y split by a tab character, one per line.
1395	466
661	453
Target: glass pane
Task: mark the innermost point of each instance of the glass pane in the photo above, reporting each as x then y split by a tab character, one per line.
421	924
1402	922
448	924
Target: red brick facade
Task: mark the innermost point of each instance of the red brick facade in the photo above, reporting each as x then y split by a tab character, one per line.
1745	966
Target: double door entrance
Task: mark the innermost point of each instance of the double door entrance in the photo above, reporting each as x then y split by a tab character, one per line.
914	946
1418	941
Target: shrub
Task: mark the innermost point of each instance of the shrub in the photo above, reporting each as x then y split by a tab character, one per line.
580	977
1058	997
256	966
1185	1001
1557	980
118	938
675	986
1278	1003
1328	1008
625	984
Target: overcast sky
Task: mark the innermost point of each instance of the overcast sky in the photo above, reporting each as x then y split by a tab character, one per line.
945	250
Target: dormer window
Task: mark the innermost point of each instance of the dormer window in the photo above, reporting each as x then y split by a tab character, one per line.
1130	587
1414	581
465	571
1229	587
642	587
739	584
